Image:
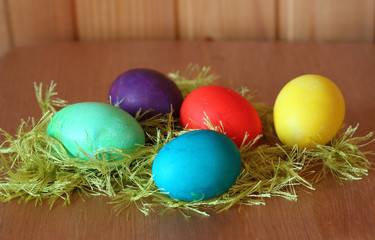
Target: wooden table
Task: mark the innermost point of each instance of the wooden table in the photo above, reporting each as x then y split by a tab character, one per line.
85	71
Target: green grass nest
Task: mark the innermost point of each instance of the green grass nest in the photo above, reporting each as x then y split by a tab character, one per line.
31	170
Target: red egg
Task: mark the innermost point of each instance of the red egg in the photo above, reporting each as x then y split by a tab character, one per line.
224	108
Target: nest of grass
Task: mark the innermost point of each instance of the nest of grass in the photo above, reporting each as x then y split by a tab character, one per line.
36	167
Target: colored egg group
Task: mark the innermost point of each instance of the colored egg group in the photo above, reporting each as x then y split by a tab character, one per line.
92	126
145	89
198	165
201	164
309	110
223	107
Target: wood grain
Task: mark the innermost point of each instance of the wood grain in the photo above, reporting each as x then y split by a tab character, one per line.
327	20
25	22
41	21
223	19
84	72
5	42
132	19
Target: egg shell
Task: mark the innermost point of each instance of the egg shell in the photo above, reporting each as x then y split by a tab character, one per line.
146	89
309	110
198	165
224	105
92	126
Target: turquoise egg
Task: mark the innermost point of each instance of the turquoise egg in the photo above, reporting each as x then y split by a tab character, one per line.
92	126
196	166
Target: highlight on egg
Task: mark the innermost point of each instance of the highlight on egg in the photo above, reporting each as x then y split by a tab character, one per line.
309	110
224	108
197	165
145	89
94	126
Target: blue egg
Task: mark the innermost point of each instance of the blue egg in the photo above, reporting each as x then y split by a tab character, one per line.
197	166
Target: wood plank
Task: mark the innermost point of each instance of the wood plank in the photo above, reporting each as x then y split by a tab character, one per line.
84	72
5	42
327	20
39	21
133	19
223	19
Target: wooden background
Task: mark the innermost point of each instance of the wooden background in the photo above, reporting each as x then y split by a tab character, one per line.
24	22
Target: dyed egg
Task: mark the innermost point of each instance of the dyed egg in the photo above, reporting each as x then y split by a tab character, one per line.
309	109
145	89
196	166
222	106
92	126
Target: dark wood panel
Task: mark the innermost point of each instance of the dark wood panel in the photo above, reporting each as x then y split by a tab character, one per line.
5	38
41	21
120	20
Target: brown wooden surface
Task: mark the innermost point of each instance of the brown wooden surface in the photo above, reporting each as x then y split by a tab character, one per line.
40	21
130	19
327	20
85	71
223	19
24	22
5	42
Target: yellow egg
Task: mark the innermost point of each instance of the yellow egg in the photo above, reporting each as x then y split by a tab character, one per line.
309	110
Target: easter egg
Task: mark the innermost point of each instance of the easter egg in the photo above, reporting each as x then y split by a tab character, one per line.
309	110
145	89
197	165
92	126
223	107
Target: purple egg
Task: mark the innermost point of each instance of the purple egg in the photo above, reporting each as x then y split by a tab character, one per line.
145	89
